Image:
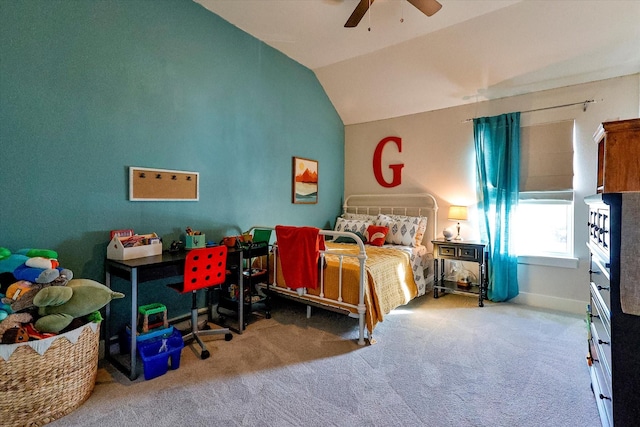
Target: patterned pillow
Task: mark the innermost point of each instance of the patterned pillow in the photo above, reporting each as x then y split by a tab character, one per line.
366	217
353	225
403	230
376	235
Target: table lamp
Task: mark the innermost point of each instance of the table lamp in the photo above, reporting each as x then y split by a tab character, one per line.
458	213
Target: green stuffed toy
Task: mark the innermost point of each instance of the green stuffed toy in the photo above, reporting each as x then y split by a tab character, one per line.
59	305
20	295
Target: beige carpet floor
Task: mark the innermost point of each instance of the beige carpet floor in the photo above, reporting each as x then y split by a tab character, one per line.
437	362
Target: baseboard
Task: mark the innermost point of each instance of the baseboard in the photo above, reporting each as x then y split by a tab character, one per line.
551	303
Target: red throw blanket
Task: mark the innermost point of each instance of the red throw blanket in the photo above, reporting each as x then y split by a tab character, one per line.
299	250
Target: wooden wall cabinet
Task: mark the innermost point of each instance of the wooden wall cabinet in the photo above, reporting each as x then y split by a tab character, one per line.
618	156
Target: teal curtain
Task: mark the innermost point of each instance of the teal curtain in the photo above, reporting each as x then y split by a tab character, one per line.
497	144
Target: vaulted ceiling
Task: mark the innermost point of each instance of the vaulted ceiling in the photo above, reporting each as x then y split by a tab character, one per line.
398	61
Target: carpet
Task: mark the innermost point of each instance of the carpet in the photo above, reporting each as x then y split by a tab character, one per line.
436	362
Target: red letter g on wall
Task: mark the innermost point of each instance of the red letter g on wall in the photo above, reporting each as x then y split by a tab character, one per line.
377	163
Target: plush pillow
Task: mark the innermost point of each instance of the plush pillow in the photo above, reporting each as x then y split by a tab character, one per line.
353	225
376	235
403	230
366	217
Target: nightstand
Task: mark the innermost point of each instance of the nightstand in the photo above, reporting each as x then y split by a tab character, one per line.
458	250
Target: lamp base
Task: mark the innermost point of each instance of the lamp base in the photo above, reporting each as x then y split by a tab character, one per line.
458	237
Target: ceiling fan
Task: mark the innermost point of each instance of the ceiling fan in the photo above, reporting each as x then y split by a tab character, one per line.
428	7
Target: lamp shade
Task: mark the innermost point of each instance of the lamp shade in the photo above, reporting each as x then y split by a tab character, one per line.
458	213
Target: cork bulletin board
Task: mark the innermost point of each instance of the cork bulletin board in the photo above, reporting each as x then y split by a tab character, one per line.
147	184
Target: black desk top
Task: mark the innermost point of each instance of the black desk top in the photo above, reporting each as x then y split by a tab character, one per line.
165	258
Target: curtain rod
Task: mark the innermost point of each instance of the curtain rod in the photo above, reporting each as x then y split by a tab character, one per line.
583	103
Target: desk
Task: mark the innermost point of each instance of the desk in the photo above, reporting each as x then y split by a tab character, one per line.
137	271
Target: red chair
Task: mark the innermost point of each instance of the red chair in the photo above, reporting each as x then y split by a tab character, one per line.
204	268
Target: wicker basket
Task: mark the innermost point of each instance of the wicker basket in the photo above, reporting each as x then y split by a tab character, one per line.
38	389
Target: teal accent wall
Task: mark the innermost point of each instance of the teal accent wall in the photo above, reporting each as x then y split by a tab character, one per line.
89	88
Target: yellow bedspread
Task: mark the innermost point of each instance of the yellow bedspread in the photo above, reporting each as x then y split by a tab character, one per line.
389	281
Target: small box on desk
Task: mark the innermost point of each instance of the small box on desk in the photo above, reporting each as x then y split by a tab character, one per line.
122	248
194	242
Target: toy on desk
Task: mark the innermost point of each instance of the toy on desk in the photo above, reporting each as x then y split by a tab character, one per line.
176	246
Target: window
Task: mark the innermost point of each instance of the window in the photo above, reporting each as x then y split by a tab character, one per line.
544	218
544	228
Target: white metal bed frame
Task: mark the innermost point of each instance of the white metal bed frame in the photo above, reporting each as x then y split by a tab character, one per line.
423	204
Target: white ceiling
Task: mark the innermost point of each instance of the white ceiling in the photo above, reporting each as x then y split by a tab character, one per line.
471	50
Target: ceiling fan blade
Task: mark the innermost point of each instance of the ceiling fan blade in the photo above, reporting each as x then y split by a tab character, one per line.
428	7
358	13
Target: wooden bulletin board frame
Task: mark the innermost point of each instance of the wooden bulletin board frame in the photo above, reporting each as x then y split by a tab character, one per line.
147	184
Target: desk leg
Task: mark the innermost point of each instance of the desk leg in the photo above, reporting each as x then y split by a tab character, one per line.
134	323
107	316
240	295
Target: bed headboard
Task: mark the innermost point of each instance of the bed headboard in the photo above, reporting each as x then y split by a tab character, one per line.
420	204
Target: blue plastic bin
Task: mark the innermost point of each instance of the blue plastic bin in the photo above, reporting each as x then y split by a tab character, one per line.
156	359
124	338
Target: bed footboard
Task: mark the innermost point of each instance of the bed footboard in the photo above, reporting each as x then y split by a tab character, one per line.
333	300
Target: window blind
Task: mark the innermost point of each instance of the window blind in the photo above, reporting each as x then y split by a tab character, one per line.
546	161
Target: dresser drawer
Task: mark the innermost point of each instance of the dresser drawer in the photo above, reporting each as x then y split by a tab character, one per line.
600	344
600	283
604	399
470	253
599	227
445	251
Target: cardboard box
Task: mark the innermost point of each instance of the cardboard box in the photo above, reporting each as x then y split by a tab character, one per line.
150	246
195	241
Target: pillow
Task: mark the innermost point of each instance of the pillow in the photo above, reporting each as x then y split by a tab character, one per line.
403	230
353	225
366	217
344	239
376	235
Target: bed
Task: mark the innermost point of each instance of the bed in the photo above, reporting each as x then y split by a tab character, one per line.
367	281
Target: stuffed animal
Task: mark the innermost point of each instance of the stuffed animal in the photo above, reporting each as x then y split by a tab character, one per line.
59	305
20	295
9	262
12	329
36	270
33	265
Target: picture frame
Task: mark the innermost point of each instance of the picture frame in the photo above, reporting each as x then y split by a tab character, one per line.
304	186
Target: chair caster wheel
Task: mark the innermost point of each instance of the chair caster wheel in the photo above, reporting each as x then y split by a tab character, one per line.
267	316
205	354
228	337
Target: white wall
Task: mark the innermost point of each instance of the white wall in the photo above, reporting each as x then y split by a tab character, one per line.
438	154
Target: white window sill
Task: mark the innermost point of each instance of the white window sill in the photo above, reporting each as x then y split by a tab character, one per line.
548	261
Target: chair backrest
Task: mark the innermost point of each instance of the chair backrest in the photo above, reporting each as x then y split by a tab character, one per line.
205	267
261	235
